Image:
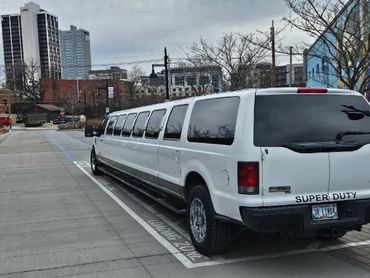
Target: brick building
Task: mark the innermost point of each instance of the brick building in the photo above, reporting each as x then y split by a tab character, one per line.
4	98
95	91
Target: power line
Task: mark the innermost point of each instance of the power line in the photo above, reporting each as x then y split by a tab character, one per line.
131	62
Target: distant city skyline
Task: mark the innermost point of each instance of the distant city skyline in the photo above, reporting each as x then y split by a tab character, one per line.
137	30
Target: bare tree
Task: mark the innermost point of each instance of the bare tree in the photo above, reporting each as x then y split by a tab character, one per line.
343	32
31	81
135	81
235	53
2	77
198	75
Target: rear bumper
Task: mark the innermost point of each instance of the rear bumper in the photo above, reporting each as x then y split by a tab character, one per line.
298	218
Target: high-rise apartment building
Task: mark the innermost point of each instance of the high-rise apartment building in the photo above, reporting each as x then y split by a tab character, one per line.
75	53
13	47
31	37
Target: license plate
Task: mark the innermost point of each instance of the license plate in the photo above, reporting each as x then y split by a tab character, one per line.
324	212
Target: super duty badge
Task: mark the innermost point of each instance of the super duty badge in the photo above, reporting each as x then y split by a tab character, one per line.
325	197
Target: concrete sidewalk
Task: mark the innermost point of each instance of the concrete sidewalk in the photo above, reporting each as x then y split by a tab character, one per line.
50	224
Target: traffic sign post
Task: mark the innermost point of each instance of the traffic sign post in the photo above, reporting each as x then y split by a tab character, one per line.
110	92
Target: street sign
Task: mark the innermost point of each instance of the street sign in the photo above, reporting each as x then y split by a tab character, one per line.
110	92
107	110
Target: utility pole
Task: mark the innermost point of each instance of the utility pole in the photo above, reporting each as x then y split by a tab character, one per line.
290	66
153	75
33	92
273	66
85	108
107	99
9	111
166	71
78	90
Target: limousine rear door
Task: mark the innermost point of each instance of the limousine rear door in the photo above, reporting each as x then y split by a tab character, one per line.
169	166
295	159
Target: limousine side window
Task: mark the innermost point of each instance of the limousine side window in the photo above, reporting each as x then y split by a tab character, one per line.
213	121
118	126
111	123
175	122
126	130
154	124
140	124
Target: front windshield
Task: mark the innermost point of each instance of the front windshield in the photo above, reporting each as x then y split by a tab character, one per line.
286	119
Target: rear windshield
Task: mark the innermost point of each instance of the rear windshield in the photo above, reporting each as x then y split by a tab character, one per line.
286	119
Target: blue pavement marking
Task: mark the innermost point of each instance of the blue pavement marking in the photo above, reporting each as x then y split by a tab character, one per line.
66	153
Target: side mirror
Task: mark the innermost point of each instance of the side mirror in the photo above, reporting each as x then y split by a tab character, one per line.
89	131
97	131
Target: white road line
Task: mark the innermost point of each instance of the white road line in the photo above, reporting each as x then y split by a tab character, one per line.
217	260
174	224
178	255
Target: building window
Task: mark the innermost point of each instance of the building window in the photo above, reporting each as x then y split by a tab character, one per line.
179	80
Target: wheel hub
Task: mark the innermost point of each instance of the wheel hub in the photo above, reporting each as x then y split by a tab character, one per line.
198	220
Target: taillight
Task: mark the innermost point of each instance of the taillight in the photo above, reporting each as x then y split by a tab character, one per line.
248	177
312	91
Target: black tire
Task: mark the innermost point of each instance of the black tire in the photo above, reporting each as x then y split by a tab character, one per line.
94	164
217	233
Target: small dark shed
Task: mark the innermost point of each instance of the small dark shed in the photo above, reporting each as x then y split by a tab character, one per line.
50	110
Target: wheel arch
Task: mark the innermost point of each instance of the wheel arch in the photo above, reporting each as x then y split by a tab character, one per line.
192	179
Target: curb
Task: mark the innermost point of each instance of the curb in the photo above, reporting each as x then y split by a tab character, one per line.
3	136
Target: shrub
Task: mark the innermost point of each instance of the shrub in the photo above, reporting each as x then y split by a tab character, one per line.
77	125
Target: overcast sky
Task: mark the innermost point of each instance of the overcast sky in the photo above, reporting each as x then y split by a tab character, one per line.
125	31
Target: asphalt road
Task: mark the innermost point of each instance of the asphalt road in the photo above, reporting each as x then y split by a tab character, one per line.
56	220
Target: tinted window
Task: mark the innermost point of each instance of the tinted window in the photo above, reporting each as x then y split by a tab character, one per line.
126	130
175	122
118	126
213	121
152	129
286	119
140	124
110	125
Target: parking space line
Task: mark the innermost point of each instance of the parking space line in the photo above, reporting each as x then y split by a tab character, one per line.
216	260
174	251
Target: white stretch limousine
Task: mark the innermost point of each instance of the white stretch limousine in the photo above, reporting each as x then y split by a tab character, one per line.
281	160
